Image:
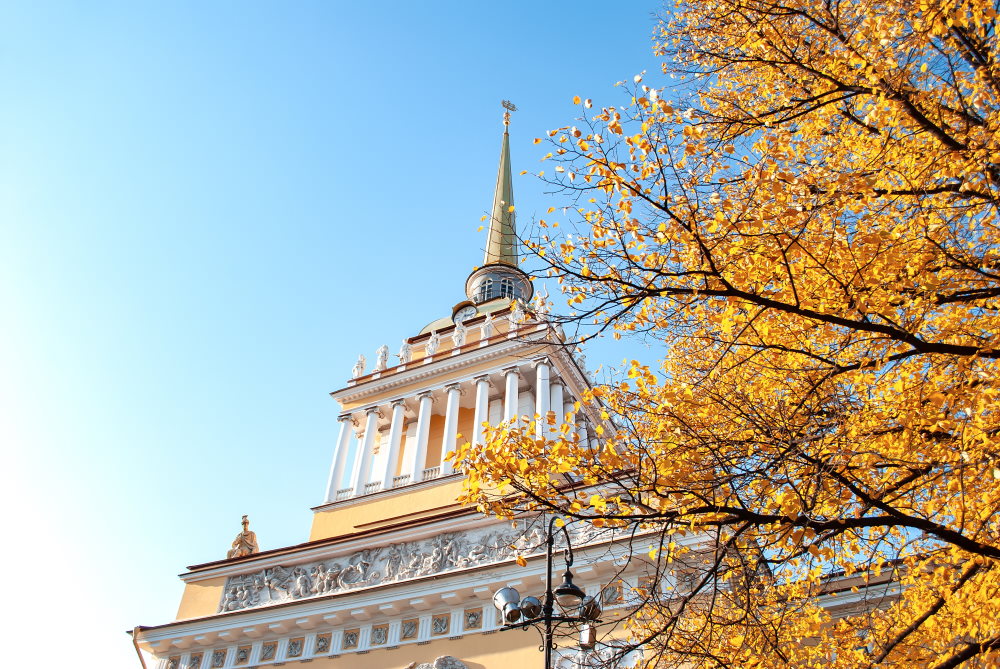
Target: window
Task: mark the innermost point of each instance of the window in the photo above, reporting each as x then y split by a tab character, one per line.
506	287
485	290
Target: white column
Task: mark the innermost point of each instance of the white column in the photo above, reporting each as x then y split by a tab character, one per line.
510	395
556	404
542	398
362	467
395	434
595	443
423	433
450	426
568	409
339	457
482	409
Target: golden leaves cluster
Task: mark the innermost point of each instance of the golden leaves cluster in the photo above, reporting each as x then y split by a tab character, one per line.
807	222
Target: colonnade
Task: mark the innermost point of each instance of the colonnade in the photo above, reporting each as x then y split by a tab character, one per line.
548	393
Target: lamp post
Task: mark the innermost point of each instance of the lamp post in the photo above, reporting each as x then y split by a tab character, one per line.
519	612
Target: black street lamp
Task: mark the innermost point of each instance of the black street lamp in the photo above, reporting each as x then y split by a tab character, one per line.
577	608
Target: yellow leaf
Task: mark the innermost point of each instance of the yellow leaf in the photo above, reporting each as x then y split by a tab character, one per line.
576	99
521	562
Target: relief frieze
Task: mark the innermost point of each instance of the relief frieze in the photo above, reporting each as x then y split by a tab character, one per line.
389	564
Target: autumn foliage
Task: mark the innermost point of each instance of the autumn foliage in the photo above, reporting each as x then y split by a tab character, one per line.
803	212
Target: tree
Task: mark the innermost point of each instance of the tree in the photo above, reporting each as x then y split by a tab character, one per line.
810	231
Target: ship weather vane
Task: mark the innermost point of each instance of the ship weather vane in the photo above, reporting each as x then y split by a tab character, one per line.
510	107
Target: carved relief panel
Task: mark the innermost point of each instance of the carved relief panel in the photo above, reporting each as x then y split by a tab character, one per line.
387	564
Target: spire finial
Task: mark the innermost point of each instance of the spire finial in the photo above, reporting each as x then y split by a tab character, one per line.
501	241
510	107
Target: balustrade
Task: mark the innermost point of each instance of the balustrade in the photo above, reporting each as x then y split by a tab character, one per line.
436	346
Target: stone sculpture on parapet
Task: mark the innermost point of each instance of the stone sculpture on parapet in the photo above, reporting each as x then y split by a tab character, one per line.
245	542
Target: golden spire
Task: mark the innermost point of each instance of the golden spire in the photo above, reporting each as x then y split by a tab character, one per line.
501	240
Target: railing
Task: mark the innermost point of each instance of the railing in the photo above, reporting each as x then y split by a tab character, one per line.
397	482
447	345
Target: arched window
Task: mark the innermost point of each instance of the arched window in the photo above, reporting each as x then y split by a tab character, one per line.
485	290
506	287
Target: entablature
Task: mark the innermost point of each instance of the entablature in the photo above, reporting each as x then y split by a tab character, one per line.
469	356
454	592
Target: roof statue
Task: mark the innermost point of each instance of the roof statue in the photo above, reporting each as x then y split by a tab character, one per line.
245	542
405	352
381	358
501	241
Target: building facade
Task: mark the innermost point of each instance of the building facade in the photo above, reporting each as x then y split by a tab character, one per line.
396	573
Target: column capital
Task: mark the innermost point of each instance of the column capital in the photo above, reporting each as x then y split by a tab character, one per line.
397	403
374	410
486	379
427	393
344	417
512	370
455	386
541	361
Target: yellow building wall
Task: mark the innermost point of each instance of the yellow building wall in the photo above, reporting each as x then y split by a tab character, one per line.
466	424
386	510
434	441
201	598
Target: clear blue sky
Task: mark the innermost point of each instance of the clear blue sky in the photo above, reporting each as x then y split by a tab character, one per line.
207	211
